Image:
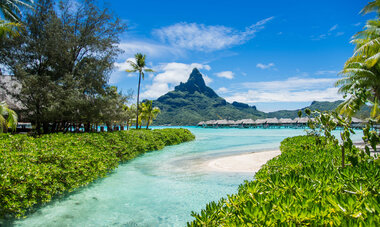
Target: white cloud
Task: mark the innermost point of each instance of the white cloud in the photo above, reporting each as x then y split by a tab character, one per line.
170	75
206	38
291	90
264	66
207	79
292	83
222	90
120	71
333	28
357	24
326	72
254	96
152	50
123	66
226	74
328	34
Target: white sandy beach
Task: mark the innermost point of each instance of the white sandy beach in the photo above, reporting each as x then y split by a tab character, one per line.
251	162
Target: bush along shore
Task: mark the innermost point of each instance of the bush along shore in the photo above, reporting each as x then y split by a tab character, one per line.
305	185
34	170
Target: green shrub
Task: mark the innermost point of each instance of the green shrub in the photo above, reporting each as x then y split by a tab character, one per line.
305	185
33	170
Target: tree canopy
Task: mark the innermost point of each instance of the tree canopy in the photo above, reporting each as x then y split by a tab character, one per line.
63	61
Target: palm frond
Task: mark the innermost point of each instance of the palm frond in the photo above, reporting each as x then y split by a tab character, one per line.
11	9
371	7
363	50
373	60
149	70
2	123
134	65
12	120
10	28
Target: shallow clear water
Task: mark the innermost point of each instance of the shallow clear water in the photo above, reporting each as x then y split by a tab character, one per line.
161	188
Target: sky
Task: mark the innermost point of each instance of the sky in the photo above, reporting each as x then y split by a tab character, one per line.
272	54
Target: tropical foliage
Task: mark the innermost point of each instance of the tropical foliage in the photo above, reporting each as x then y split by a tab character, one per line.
303	186
9	28
129	115
35	170
62	62
148	112
8	118
140	67
361	73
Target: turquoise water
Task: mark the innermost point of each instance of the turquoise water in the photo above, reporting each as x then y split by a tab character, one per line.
161	188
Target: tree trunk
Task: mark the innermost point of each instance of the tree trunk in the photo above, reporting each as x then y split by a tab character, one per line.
53	127
38	126
66	128
87	127
45	127
109	127
343	156
138	97
147	124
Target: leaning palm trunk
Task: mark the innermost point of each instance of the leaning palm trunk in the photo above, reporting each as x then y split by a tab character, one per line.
138	97
148	123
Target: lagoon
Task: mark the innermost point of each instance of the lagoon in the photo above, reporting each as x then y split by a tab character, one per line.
161	188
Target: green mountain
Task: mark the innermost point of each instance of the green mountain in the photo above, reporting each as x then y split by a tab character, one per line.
193	101
322	106
315	105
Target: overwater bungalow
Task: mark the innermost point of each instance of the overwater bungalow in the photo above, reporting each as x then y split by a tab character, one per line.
269	123
285	122
246	123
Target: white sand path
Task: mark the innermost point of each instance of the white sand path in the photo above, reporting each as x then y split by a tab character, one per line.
251	162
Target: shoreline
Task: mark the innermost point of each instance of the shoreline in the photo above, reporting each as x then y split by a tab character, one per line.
242	163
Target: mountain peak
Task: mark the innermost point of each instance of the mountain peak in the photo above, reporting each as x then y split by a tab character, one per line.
196	77
196	83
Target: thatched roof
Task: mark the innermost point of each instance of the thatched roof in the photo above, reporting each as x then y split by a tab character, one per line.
261	121
210	122
248	121
301	120
231	122
222	122
272	121
285	121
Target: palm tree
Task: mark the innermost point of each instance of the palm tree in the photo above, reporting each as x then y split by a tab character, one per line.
11	11
9	28
139	66
149	113
129	114
8	118
361	73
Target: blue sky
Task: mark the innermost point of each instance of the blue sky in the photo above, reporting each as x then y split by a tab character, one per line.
273	54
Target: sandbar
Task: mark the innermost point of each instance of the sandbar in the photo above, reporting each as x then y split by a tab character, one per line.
242	163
